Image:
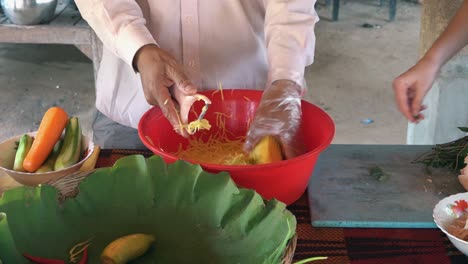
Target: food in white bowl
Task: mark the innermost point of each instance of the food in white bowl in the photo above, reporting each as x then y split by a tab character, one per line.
450	215
58	148
7	155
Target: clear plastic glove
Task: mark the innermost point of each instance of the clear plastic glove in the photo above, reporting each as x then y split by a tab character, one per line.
164	83
279	115
411	87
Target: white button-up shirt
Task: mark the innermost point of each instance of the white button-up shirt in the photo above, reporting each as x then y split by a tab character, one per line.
238	43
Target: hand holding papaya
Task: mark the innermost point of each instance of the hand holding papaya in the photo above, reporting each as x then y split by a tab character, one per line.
278	115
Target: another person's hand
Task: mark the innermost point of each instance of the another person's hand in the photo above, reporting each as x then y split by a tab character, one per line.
411	87
164	82
279	115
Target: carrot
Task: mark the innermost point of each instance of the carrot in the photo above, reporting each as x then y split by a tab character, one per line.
53	122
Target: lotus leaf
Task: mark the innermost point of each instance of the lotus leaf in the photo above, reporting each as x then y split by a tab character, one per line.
196	216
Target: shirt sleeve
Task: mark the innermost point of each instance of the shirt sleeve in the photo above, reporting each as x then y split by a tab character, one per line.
290	38
119	24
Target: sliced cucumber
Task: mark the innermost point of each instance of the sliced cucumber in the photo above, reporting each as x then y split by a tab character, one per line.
24	145
71	149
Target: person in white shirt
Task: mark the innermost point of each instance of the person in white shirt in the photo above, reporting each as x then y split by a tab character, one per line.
156	50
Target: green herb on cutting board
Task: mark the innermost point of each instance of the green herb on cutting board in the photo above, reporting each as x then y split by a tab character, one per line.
377	173
448	155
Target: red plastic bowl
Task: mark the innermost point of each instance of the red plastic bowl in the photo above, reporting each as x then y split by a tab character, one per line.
285	180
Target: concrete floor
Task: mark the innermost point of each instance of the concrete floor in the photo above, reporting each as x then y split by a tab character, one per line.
351	77
354	68
36	77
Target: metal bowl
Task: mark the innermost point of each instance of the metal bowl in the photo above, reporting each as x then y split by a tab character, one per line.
29	12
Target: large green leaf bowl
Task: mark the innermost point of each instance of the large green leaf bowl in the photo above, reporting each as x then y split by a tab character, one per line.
196	216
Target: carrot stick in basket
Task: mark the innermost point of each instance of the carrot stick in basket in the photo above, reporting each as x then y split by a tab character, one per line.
53	122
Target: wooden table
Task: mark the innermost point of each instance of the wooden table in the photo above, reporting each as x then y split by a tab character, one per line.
67	27
336	8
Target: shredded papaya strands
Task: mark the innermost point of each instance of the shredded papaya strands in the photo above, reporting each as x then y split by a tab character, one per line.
220	88
221	147
199	123
215	151
221	124
218	148
76	250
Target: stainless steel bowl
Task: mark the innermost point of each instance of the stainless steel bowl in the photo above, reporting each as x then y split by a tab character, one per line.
29	12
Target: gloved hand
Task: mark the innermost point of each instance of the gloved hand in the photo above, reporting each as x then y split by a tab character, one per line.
164	82
411	87
279	115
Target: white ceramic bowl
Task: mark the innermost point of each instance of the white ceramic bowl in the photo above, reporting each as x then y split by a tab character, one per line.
7	157
443	216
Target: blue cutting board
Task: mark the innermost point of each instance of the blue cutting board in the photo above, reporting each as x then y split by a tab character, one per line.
345	189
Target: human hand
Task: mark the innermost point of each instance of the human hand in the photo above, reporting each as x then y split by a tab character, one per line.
279	115
164	82
411	87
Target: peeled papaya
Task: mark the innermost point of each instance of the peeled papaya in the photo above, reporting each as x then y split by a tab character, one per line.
266	151
70	151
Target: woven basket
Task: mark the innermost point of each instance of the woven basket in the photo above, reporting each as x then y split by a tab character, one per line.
68	187
289	252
